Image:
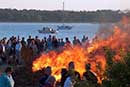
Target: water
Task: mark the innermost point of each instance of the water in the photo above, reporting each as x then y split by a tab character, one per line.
26	29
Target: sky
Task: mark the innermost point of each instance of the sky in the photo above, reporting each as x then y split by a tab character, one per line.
75	5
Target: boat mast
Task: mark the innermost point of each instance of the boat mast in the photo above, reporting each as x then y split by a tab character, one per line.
63	6
63	12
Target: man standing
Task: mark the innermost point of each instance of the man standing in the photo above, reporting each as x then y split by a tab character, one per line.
47	80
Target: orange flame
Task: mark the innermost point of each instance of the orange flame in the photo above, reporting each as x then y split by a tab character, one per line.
93	54
61	60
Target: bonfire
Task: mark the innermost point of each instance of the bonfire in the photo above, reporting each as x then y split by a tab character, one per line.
117	40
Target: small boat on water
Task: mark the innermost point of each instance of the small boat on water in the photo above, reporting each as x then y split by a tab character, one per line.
64	27
46	30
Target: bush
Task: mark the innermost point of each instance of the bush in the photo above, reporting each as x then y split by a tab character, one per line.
118	73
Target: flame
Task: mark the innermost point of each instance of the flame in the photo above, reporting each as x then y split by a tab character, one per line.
60	60
93	54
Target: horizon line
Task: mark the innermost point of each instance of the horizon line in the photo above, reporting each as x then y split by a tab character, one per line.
65	10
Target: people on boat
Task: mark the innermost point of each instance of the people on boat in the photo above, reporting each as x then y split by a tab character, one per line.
47	30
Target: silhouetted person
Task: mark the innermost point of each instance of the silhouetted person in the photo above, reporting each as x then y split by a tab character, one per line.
71	75
70	80
63	76
47	80
71	67
29	40
23	42
62	43
75	41
54	42
89	75
67	42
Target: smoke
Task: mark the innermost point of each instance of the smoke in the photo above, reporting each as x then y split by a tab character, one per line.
105	31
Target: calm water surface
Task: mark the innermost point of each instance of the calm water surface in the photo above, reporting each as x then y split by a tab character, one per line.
26	29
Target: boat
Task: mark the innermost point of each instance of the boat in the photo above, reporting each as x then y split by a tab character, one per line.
48	30
64	27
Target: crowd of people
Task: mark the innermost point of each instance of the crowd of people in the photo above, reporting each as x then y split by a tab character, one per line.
69	77
16	50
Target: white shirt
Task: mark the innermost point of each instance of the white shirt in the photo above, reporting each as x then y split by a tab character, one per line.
3	47
11	80
68	82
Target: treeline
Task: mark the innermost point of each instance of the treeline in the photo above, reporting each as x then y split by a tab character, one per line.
13	15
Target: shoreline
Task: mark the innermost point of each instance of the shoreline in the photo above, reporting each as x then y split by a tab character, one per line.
65	22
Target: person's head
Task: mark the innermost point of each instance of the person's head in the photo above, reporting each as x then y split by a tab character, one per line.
49	36
63	71
44	38
71	65
67	39
48	70
33	41
23	38
30	37
87	38
54	37
62	39
88	66
59	40
36	37
8	70
74	37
